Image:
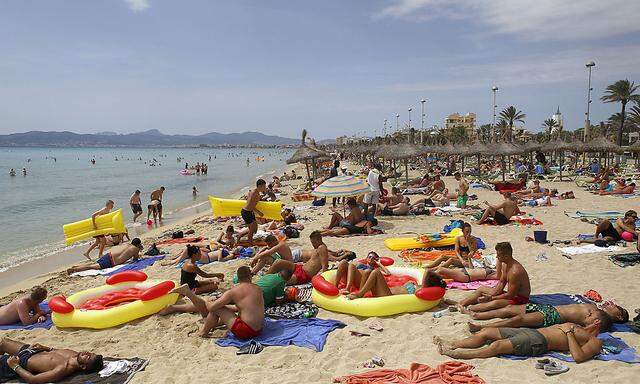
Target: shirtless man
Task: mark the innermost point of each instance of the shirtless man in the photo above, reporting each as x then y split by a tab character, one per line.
400	209
620	190
581	342
157	196
502	212
463	188
136	205
99	240
24	310
438	184
545	315
116	256
535	188
245	298
249	211
355	215
303	272
37	364
273	252
612	232
511	274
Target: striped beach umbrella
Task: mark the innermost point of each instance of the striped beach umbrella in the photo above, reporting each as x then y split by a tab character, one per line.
342	186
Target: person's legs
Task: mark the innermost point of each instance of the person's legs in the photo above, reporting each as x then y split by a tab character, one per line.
207	286
473	298
342	272
488	306
376	284
253	228
501	313
80	268
178	259
257	263
499	347
337	231
103	244
95	243
437	262
178	308
335	220
489	212
528	320
199	303
10	347
222	315
280	265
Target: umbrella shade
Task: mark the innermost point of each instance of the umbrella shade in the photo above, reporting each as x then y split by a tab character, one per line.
600	144
556	145
342	186
399	151
531	146
635	147
508	149
304	153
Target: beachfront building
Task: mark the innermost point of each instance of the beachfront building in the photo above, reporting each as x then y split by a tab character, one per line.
557	117
521	135
468	122
342	140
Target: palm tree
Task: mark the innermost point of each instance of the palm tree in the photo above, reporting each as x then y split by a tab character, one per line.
510	115
502	127
549	125
484	132
634	116
622	91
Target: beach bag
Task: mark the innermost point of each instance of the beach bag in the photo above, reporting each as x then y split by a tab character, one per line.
153	250
177	235
291	232
319	202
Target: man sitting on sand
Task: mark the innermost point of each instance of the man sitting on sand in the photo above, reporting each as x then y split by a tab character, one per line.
303	272
245	298
463	188
39	364
511	274
612	232
581	342
24	310
249	210
501	213
100	240
273	252
545	315
400	209
355	216
116	256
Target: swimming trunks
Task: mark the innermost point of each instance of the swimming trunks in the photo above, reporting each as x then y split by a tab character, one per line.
488	271
242	330
296	253
518	300
248	216
353	229
189	278
500	218
106	261
224	252
464	249
610	231
24	354
302	277
525	341
410	287
159	206
462	200
549	312
136	208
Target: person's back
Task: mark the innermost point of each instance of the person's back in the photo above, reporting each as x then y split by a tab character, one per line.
250	302
510	207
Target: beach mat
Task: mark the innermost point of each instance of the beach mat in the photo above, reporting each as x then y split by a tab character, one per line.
44	307
595	214
135	365
308	333
472	285
587	249
613	348
625	259
135	266
451	372
564	299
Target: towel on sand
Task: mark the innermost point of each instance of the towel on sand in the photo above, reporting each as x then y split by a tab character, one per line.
134	365
473	285
564	299
309	333
44	307
135	266
613	348
626	259
602	215
587	248
451	372
181	240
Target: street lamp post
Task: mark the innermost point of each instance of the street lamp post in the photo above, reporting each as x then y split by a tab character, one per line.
422	103
397	121
493	126
587	124
409	110
384	133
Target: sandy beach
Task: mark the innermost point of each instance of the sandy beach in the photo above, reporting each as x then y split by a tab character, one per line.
175	357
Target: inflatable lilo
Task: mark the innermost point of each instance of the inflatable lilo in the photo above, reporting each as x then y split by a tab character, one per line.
326	295
126	297
423	241
231	208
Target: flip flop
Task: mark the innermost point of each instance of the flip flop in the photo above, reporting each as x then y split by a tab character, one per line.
541	363
251	348
555	368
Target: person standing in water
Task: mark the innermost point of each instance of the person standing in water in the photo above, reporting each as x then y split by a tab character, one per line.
157	195
194	192
100	240
136	204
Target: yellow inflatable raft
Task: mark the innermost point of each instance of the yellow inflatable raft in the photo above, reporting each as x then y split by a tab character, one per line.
326	295
109	224
231	208
402	243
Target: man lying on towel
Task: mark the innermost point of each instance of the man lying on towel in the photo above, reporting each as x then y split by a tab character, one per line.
303	272
39	364
511	275
545	315
116	256
612	232
502	212
581	342
245	298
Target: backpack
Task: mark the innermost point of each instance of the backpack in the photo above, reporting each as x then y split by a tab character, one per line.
291	232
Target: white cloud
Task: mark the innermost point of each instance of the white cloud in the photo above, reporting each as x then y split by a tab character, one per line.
137	5
526	19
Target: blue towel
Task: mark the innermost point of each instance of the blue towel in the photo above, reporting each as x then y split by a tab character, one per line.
309	333
137	265
44	325
610	345
563	299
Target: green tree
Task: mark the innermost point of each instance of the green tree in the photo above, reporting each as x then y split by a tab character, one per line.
484	132
510	115
457	134
622	91
548	126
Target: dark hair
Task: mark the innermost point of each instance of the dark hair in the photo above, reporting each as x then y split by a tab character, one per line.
110	202
243	273
378	166
630	213
136	241
395	189
289	219
96	366
38	293
456	174
192	250
507	195
605	320
230	228
162	188
432	279
137	191
260	183
504	247
336	163
286	274
270	239
315	235
352	202
625	315
465	225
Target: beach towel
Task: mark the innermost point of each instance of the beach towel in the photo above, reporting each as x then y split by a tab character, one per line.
625	259
472	285
292	310
180	241
564	299
44	307
134	266
127	369
587	248
525	220
451	372
592	214
613	348
308	333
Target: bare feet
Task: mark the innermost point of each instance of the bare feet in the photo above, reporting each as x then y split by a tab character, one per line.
473	328
447	351
437	340
86	254
344	291
465	310
352	296
167	310
181	290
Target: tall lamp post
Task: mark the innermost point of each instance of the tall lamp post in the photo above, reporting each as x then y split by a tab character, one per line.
587	123
409	110
397	121
493	126
422	104
384	132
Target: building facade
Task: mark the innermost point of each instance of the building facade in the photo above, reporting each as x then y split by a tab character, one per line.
468	122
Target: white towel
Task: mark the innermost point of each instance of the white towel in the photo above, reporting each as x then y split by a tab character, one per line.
95	272
587	248
113	367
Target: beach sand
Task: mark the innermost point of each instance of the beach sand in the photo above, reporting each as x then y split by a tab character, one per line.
175	357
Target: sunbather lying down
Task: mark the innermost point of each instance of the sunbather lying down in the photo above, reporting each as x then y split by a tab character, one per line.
377	285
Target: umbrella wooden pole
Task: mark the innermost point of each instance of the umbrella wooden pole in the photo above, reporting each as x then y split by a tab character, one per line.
406	172
502	165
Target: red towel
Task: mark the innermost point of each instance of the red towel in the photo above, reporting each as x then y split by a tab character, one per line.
181	240
451	372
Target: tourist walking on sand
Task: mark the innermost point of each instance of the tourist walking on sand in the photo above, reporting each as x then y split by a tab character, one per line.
463	188
136	204
249	211
100	241
374	180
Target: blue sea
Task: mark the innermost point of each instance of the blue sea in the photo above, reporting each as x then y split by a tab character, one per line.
62	186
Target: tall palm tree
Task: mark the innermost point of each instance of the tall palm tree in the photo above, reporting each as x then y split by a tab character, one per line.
622	91
549	126
510	115
634	116
501	126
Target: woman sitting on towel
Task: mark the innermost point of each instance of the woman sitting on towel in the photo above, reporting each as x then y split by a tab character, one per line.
466	246
190	270
377	285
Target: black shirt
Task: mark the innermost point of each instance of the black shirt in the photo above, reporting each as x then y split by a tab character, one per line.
334	172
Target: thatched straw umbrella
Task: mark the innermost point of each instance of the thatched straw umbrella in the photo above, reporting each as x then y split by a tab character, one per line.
635	148
558	145
403	151
508	149
304	154
600	144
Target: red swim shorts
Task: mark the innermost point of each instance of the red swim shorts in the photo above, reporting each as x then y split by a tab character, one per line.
519	300
301	276
242	330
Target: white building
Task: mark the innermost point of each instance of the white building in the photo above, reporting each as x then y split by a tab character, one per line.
557	117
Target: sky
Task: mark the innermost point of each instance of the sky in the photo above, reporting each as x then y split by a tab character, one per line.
334	67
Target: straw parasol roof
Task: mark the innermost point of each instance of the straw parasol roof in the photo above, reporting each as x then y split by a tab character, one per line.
531	146
556	145
475	148
306	153
399	151
508	149
600	144
635	147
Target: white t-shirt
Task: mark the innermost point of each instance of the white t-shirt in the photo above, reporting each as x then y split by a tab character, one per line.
373	179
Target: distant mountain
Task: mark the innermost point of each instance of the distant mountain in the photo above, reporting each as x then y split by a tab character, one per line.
149	138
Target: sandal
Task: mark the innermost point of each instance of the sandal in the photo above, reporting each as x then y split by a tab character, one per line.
555	368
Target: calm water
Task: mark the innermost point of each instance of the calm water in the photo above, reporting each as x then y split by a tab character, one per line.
70	188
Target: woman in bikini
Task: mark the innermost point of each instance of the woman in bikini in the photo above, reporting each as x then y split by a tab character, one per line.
190	271
356	274
466	246
205	255
377	285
